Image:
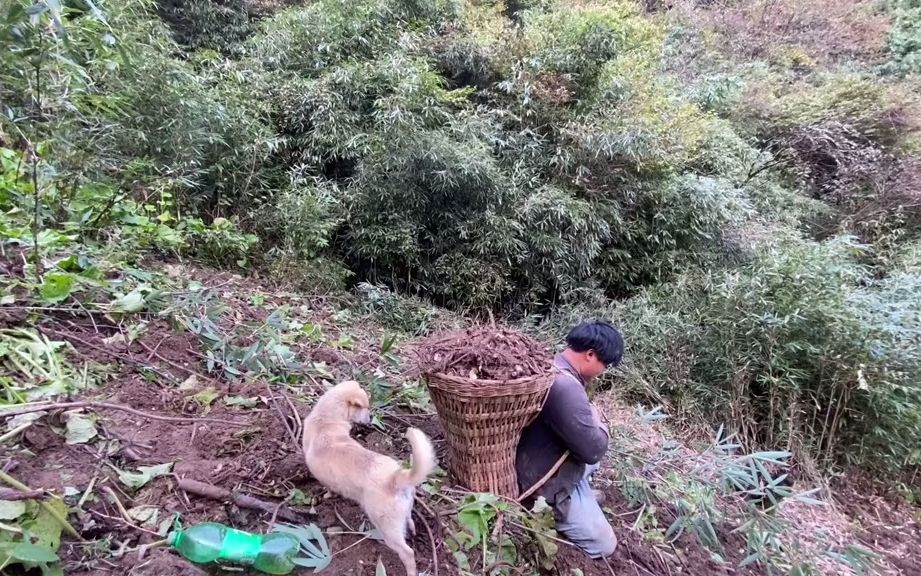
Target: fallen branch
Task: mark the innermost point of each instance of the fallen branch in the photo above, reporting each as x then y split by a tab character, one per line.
14	432
432	540
62	520
242	500
273	402
119	407
10	494
126	518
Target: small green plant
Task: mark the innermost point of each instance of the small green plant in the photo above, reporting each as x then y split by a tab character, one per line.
220	243
475	518
861	560
404	314
34	367
314	549
35	537
541	528
266	354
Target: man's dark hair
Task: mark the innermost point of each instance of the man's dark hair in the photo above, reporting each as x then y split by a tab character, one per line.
600	336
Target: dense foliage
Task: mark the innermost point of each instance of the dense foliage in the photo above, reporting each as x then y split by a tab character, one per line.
745	198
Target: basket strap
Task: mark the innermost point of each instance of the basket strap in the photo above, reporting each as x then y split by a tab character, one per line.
556	466
546	395
547	476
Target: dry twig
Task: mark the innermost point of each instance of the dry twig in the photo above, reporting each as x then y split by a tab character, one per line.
241	500
110	406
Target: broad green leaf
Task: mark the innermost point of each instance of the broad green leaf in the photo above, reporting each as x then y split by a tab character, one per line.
36	9
44	529
165	525
12	509
380	570
190	383
22	419
750	559
316	563
206	397
56	287
26	552
241	401
81	428
144	475
145	515
129	303
375	534
318	556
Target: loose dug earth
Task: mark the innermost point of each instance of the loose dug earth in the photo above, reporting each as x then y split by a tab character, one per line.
485	353
162	372
257	456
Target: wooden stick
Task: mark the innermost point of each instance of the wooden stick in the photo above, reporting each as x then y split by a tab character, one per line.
14	432
62	520
10	494
243	501
544	534
110	406
432	540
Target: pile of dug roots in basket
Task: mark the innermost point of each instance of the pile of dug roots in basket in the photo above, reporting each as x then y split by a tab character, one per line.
484	353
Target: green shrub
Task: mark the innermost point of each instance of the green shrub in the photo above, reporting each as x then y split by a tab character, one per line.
719	93
904	41
570	174
404	314
220	244
301	219
669	225
121	108
317	276
580	40
801	347
843	139
221	25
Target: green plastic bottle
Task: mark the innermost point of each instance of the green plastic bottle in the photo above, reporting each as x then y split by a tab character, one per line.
272	553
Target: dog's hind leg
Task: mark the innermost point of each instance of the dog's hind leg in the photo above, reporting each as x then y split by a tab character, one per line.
410	525
391	520
392	530
406	554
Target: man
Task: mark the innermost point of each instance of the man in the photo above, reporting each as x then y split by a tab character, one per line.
568	421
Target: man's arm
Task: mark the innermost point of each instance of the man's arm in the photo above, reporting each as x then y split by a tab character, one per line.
569	413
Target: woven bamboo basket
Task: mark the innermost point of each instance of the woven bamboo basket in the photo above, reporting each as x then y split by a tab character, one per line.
483	420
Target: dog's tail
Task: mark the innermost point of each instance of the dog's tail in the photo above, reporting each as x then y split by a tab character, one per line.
423	460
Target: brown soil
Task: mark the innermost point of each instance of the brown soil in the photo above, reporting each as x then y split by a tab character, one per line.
886	523
486	353
261	459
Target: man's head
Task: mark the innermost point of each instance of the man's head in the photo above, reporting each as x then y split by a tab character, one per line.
593	346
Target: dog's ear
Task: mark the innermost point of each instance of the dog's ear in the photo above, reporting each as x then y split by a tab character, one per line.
359	400
359	408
